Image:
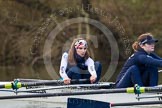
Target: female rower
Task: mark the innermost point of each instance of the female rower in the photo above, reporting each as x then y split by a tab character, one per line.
142	67
77	64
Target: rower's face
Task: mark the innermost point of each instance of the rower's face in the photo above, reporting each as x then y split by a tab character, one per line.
149	47
81	50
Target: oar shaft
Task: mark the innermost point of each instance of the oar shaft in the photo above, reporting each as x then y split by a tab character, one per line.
31	80
83	86
2	86
104	91
136	103
52	82
153	89
55	82
150	96
25	84
39	95
61	94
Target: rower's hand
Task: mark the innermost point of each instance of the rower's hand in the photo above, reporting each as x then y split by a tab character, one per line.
67	81
93	78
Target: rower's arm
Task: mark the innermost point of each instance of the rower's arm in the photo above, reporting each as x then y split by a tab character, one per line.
156	56
91	68
148	60
63	66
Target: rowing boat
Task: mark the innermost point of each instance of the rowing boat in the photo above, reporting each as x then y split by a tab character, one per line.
59	94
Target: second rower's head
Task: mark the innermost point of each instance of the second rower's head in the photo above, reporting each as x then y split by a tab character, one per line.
146	42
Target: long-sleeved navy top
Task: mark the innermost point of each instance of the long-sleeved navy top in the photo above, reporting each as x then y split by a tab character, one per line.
141	59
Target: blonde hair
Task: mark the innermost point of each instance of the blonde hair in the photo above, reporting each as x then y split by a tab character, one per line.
136	45
71	52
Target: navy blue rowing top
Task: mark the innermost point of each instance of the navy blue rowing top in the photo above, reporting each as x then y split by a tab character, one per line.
141	59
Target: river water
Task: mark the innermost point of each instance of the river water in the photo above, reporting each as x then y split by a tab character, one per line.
11	73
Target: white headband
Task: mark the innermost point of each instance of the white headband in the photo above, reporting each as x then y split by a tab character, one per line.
80	42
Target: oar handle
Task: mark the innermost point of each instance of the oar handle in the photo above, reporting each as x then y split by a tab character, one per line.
79	81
